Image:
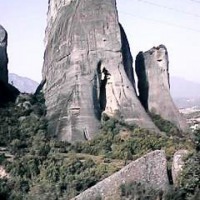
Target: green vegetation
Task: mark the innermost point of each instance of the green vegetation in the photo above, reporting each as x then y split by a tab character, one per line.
189	182
40	167
164	125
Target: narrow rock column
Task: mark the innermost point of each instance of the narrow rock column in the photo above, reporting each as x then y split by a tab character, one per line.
3	55
7	91
178	164
152	68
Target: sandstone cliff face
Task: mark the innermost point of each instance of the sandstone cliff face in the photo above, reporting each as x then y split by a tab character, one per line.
3	55
88	69
152	68
7	91
150	170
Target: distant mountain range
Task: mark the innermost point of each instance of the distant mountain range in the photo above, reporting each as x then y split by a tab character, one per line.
185	93
23	84
181	88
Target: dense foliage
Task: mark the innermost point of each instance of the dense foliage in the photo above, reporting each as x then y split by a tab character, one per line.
40	167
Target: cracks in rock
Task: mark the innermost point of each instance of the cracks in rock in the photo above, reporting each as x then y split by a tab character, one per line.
103	96
63	111
169	175
63	57
122	81
86	134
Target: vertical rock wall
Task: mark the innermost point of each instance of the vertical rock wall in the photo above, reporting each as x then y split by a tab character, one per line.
86	69
152	68
3	55
7	91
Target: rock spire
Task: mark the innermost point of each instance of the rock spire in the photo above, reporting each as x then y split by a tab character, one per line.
88	69
152	68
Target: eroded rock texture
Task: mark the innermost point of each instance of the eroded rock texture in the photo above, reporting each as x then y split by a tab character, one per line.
152	68
88	69
178	164
7	91
150	170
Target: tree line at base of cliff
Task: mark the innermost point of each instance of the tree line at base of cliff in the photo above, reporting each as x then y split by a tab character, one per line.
41	167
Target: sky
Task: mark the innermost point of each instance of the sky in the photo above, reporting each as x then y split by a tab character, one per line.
147	23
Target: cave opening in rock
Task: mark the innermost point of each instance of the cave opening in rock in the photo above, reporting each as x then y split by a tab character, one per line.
102	96
103	76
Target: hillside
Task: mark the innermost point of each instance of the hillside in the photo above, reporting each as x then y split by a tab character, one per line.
41	167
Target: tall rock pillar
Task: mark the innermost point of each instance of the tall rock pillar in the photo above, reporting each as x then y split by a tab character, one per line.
7	91
3	55
86	69
152	68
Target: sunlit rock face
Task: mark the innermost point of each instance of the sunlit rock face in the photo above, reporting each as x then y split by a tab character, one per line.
152	68
86	69
3	55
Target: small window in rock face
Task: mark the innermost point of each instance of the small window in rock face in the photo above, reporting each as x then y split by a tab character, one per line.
159	60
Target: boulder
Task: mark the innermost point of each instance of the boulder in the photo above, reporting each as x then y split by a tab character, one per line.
88	69
177	164
152	68
149	170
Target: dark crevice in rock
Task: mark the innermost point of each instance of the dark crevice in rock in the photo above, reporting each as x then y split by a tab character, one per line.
169	174
143	86
127	57
102	96
40	87
86	135
95	92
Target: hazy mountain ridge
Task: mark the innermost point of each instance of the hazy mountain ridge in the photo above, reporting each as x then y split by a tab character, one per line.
24	84
184	92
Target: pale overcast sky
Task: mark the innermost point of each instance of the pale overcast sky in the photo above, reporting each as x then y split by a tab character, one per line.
148	23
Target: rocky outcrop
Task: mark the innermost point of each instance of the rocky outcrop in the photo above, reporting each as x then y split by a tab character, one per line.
177	164
88	69
152	68
7	91
3	55
150	170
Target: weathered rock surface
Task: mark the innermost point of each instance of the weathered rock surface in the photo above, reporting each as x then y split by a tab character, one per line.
177	164
88	69
150	170
7	91
3	55
152	68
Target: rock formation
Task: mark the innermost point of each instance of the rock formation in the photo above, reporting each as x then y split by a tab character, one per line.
150	170
3	55
152	68
7	91
88	69
177	164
